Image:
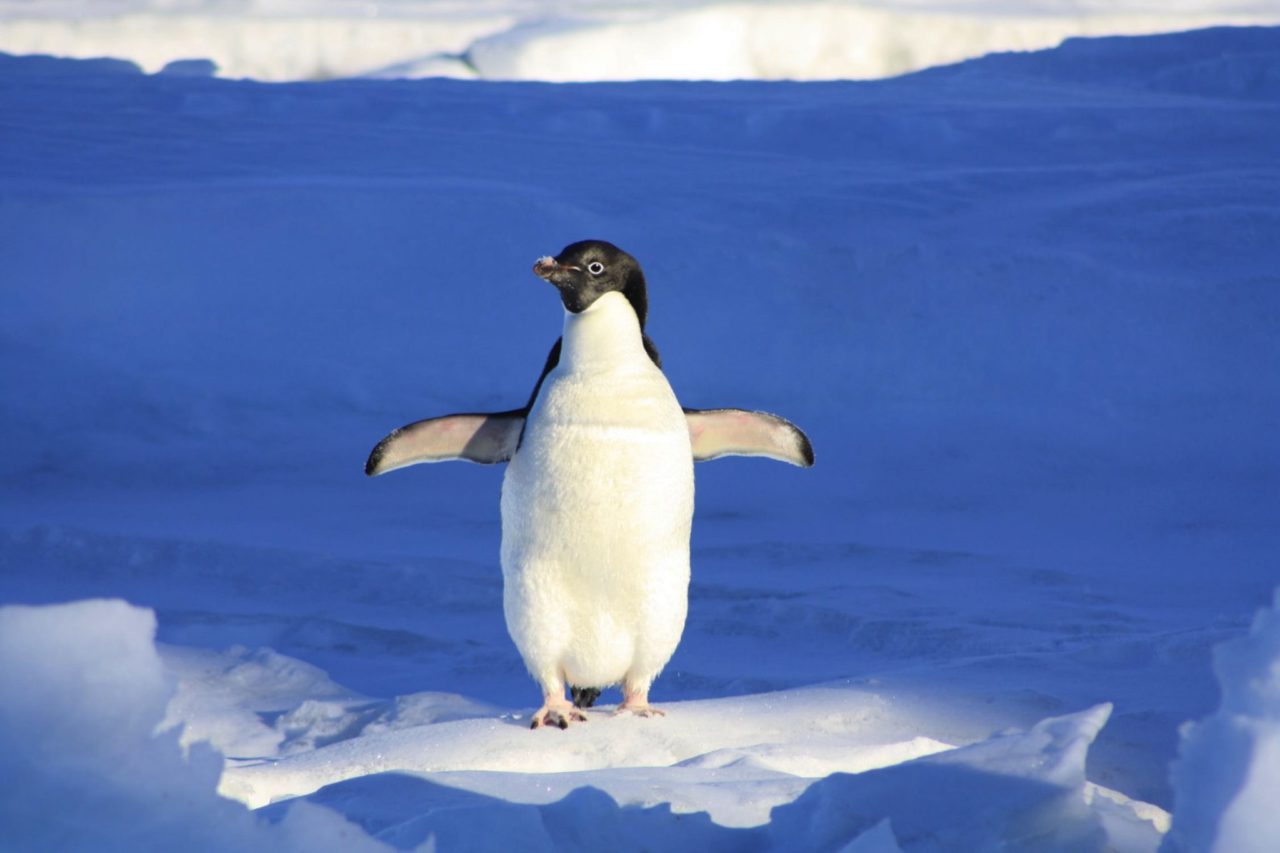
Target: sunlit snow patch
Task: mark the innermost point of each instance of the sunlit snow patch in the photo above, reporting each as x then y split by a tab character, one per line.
85	692
796	41
581	39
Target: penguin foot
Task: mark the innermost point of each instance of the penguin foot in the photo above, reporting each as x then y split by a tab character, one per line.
559	716
635	700
638	702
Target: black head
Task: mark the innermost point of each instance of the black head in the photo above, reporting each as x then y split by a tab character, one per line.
586	270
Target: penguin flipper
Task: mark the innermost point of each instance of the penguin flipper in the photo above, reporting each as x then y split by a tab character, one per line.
738	432
483	438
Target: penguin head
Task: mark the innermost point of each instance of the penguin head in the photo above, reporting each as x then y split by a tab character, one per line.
586	270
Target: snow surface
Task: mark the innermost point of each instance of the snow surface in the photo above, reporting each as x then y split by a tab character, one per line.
82	694
1228	771
1025	307
96	774
583	39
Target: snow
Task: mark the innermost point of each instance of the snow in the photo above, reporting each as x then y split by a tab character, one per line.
584	40
1024	306
105	757
81	698
1017	792
798	41
1227	776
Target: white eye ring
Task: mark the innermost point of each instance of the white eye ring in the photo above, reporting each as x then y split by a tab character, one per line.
595	268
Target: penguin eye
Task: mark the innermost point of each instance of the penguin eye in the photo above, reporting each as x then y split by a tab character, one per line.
595	268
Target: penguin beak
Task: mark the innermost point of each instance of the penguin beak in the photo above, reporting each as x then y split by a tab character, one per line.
551	269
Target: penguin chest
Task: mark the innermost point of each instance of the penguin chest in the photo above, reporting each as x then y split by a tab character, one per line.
596	513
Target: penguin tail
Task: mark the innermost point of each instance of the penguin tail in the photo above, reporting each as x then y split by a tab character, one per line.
584	697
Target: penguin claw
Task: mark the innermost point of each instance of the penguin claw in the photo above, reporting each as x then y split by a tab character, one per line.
558	717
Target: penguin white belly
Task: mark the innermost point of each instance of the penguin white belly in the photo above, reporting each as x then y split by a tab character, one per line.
597	501
596	511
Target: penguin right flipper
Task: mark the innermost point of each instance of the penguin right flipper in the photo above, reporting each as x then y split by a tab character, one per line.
483	438
738	432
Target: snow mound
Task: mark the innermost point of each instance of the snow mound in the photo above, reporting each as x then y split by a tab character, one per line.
792	41
1016	791
1227	778
772	739
226	699
583	40
300	44
83	702
1013	792
82	691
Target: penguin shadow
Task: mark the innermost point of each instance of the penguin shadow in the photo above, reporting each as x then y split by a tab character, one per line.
407	811
918	805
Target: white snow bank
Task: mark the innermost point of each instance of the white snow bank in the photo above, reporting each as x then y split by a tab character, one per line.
222	698
583	40
1227	778
1015	792
771	740
795	41
258	704
82	691
256	45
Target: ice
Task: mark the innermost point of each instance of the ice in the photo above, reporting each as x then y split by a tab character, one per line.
1016	792
1227	776
225	698
82	696
85	692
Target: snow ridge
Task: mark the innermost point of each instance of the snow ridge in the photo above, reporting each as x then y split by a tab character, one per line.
581	41
1227	776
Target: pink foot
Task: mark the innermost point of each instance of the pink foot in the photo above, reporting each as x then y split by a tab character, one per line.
559	714
637	702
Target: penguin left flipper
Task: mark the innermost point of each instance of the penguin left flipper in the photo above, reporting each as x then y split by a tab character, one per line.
738	432
483	438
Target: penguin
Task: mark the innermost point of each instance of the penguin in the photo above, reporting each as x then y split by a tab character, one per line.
597	498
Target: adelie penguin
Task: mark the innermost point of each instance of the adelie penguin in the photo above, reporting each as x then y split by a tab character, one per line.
597	501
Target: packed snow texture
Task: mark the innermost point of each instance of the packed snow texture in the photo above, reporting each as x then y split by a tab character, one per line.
1227	777
82	692
85	691
581	41
796	41
1024	306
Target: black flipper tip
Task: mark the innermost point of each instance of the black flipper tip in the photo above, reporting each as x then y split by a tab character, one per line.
806	448
375	459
